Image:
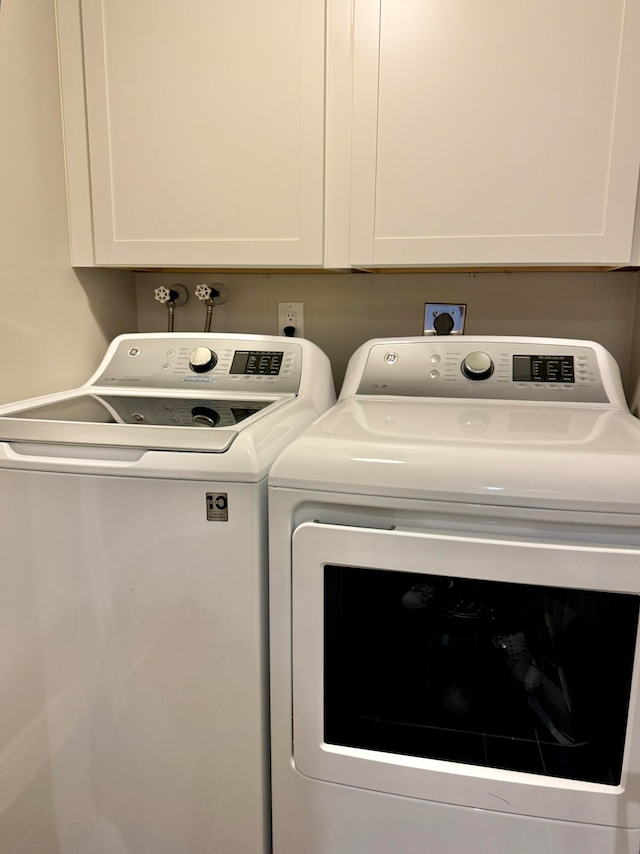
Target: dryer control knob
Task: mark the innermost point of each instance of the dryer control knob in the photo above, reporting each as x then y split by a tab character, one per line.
477	366
202	359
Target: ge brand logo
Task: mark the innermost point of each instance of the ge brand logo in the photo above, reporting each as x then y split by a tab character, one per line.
134	351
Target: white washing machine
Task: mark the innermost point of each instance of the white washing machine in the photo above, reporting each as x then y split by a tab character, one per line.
133	637
454	594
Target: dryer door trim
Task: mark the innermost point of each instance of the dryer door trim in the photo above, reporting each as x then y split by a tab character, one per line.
573	565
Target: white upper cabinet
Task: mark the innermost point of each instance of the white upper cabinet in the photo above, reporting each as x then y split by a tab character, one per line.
363	133
205	125
499	132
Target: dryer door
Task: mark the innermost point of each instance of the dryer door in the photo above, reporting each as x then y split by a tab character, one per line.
493	673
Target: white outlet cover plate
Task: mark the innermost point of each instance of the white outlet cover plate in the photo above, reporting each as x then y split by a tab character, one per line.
291	314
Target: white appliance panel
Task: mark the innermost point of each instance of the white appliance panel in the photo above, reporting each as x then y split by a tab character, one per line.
525	454
134	704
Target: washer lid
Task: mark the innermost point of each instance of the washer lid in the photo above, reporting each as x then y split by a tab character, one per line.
535	455
149	421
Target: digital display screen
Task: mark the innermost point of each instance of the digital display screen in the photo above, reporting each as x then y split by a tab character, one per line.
543	369
256	362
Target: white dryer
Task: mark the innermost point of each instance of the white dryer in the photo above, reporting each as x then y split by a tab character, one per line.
133	637
454	595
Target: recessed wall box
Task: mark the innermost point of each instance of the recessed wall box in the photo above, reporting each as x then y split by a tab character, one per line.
443	318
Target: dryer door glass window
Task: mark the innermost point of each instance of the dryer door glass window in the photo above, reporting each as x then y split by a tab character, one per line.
513	676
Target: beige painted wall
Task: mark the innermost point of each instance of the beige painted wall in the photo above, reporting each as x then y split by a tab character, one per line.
342	311
54	322
633	381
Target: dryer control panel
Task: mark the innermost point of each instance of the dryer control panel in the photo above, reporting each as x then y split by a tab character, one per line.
207	361
483	368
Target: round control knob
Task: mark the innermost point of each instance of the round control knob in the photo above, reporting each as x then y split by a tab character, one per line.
477	366
202	359
202	416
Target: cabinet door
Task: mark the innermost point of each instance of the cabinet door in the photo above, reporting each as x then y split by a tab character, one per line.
205	125
499	132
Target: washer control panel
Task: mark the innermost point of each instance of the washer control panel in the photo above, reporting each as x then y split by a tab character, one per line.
488	368
233	365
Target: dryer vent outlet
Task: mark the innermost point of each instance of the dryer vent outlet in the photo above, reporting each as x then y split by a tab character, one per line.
444	318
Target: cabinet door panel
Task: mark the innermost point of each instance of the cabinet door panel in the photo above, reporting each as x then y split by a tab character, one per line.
205	131
500	132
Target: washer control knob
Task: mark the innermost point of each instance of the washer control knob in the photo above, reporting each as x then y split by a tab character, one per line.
203	416
477	366
202	359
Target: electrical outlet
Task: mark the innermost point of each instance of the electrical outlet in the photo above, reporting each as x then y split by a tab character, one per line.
443	318
291	314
